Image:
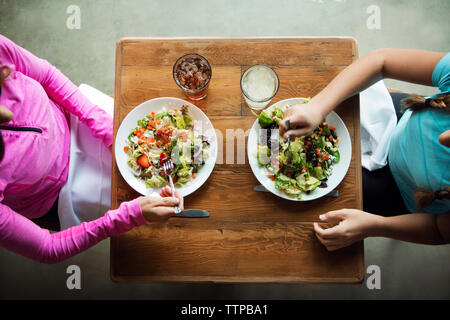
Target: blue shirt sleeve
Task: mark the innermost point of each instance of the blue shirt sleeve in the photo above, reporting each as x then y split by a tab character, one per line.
441	74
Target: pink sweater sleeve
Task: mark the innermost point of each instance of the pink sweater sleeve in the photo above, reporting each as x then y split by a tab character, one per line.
59	88
22	236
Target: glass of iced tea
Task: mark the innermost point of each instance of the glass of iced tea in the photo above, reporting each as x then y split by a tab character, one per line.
192	73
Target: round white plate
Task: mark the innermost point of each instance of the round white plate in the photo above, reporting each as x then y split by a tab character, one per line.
339	169
202	125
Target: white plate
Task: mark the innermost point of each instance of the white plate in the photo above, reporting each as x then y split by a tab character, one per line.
157	105
339	169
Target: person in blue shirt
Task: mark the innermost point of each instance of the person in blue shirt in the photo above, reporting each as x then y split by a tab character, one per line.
419	151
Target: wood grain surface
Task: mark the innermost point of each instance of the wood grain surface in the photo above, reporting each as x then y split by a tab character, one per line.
251	236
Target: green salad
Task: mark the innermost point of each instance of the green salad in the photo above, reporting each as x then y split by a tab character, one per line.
167	134
300	165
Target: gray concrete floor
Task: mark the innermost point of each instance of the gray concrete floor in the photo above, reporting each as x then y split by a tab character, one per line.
87	56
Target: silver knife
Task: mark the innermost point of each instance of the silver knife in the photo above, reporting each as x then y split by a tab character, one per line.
192	213
260	188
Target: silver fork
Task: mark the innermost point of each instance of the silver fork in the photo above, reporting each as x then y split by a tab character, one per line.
168	169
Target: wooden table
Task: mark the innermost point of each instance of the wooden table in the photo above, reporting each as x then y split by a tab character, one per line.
250	236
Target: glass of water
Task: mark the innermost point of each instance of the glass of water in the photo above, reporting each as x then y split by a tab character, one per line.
259	84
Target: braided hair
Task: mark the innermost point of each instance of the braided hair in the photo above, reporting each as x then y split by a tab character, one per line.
425	197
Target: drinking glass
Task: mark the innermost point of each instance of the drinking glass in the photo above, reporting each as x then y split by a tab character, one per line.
192	73
259	84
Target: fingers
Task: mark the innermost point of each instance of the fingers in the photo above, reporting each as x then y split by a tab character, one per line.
282	127
326	242
345	232
163	213
333	216
331	243
298	126
330	233
157	201
5	115
167	202
289	114
167	192
297	132
180	198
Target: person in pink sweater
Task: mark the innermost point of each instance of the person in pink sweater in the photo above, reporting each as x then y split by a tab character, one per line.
35	102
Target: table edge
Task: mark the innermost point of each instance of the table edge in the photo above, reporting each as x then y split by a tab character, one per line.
236	280
237	38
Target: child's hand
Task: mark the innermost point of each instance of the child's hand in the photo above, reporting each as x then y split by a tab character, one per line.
5	114
156	208
303	119
166	192
349	227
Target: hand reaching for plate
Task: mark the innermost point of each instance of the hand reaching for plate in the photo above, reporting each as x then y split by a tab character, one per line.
303	119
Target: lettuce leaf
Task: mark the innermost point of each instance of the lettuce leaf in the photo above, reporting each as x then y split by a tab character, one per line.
318	173
306	182
264	119
296	145
155	181
263	155
179	121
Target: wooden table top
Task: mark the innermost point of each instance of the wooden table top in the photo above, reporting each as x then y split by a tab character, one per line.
250	236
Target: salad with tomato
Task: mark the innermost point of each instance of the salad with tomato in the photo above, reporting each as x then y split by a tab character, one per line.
167	134
302	164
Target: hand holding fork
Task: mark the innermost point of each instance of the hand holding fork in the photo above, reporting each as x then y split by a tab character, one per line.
168	169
